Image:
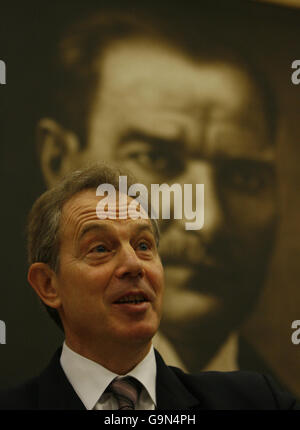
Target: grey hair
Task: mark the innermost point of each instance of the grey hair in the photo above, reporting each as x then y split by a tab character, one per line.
43	239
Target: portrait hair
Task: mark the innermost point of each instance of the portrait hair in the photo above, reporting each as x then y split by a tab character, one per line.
76	61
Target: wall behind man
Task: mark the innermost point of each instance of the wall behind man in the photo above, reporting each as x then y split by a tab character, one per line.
269	329
27	34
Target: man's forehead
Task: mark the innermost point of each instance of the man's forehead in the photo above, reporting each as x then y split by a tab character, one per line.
80	201
87	200
82	208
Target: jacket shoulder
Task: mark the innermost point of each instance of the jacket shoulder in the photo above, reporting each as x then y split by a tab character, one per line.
48	391
237	390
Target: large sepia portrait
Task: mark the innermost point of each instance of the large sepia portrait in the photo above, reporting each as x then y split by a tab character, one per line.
175	93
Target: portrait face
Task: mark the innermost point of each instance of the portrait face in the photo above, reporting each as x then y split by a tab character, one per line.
110	277
169	119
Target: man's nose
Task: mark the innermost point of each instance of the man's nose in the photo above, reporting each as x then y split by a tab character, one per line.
129	264
202	172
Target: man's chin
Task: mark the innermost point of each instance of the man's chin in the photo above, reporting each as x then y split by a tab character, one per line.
140	335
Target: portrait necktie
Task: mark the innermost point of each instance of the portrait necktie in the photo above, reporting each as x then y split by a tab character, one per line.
126	390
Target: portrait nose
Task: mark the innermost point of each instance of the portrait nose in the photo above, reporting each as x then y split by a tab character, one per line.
129	265
202	172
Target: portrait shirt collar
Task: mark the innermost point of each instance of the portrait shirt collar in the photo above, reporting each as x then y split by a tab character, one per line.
89	379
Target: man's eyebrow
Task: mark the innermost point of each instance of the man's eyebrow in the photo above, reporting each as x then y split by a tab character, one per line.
144	227
92	227
105	228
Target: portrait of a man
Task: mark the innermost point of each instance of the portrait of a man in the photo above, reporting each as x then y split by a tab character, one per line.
199	119
197	95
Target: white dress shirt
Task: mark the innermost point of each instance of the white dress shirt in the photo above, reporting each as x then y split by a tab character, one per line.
89	380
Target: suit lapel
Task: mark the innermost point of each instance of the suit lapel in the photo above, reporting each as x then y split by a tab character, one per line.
54	389
171	393
56	392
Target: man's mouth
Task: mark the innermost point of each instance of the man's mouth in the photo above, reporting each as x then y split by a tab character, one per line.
132	299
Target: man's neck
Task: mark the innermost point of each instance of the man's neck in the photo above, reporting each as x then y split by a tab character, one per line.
119	359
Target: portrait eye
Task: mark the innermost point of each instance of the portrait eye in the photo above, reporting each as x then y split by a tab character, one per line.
149	157
157	157
247	176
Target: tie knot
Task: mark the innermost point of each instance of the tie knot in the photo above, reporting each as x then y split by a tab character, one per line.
126	390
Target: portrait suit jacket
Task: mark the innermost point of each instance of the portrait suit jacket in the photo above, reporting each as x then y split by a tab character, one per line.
175	390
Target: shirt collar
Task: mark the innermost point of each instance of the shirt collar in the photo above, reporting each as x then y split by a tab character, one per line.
89	379
145	372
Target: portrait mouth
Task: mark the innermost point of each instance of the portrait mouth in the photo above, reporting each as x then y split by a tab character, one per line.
191	266
204	278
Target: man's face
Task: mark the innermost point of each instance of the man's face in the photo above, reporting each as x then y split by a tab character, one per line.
110	279
171	120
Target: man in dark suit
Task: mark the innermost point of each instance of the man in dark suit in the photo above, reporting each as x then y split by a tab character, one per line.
94	263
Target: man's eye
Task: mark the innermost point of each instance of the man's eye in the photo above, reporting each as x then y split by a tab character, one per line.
100	249
143	246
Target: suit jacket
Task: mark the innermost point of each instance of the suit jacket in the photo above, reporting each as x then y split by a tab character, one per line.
175	390
250	359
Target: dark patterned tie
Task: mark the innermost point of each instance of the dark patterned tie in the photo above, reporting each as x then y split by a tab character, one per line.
126	390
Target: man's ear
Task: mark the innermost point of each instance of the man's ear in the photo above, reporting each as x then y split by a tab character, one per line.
43	281
57	149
